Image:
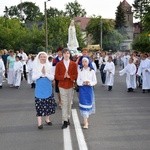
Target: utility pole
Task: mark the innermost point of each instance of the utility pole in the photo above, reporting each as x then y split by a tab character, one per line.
46	32
101	34
21	14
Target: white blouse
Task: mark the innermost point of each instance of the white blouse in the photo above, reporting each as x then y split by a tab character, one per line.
86	75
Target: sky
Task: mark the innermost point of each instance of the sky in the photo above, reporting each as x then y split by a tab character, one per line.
104	8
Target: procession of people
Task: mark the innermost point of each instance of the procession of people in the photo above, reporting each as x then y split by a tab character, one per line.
68	74
61	72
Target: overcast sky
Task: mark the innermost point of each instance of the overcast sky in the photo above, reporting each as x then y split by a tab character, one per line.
104	8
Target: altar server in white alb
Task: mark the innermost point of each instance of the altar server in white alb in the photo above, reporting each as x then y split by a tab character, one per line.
18	70
30	66
125	59
2	71
130	71
144	71
86	80
110	72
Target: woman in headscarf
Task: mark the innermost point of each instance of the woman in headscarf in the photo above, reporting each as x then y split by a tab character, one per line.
43	75
86	80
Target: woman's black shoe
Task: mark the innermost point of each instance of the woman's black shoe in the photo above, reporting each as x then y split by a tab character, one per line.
49	123
40	127
143	91
65	125
68	122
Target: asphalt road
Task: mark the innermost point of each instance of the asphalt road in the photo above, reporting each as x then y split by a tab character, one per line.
121	122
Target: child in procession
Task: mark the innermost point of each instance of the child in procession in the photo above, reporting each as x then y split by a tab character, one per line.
18	70
86	80
2	71
130	71
110	72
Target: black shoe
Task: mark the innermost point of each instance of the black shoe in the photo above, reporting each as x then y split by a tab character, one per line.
129	90
32	85
40	127
109	88
65	125
143	91
17	87
49	123
1	87
68	122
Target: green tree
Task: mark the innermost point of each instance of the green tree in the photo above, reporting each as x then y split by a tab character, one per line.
140	10
146	20
74	9
120	20
112	40
26	11
54	12
142	42
111	37
20	36
8	34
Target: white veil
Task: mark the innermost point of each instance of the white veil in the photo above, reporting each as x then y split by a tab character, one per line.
38	66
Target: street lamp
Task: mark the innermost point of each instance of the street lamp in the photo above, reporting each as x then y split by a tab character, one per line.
46	30
101	34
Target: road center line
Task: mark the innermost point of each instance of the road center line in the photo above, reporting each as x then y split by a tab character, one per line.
67	139
79	133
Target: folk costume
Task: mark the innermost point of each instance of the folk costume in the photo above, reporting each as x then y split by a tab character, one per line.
44	99
86	93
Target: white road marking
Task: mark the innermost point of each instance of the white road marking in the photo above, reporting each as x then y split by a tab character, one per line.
80	137
67	139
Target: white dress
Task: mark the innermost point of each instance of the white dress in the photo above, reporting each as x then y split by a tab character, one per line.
18	69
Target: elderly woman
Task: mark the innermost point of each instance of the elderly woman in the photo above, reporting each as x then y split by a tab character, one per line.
44	101
86	80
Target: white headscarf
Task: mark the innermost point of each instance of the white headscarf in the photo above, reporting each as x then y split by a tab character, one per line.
38	66
86	59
